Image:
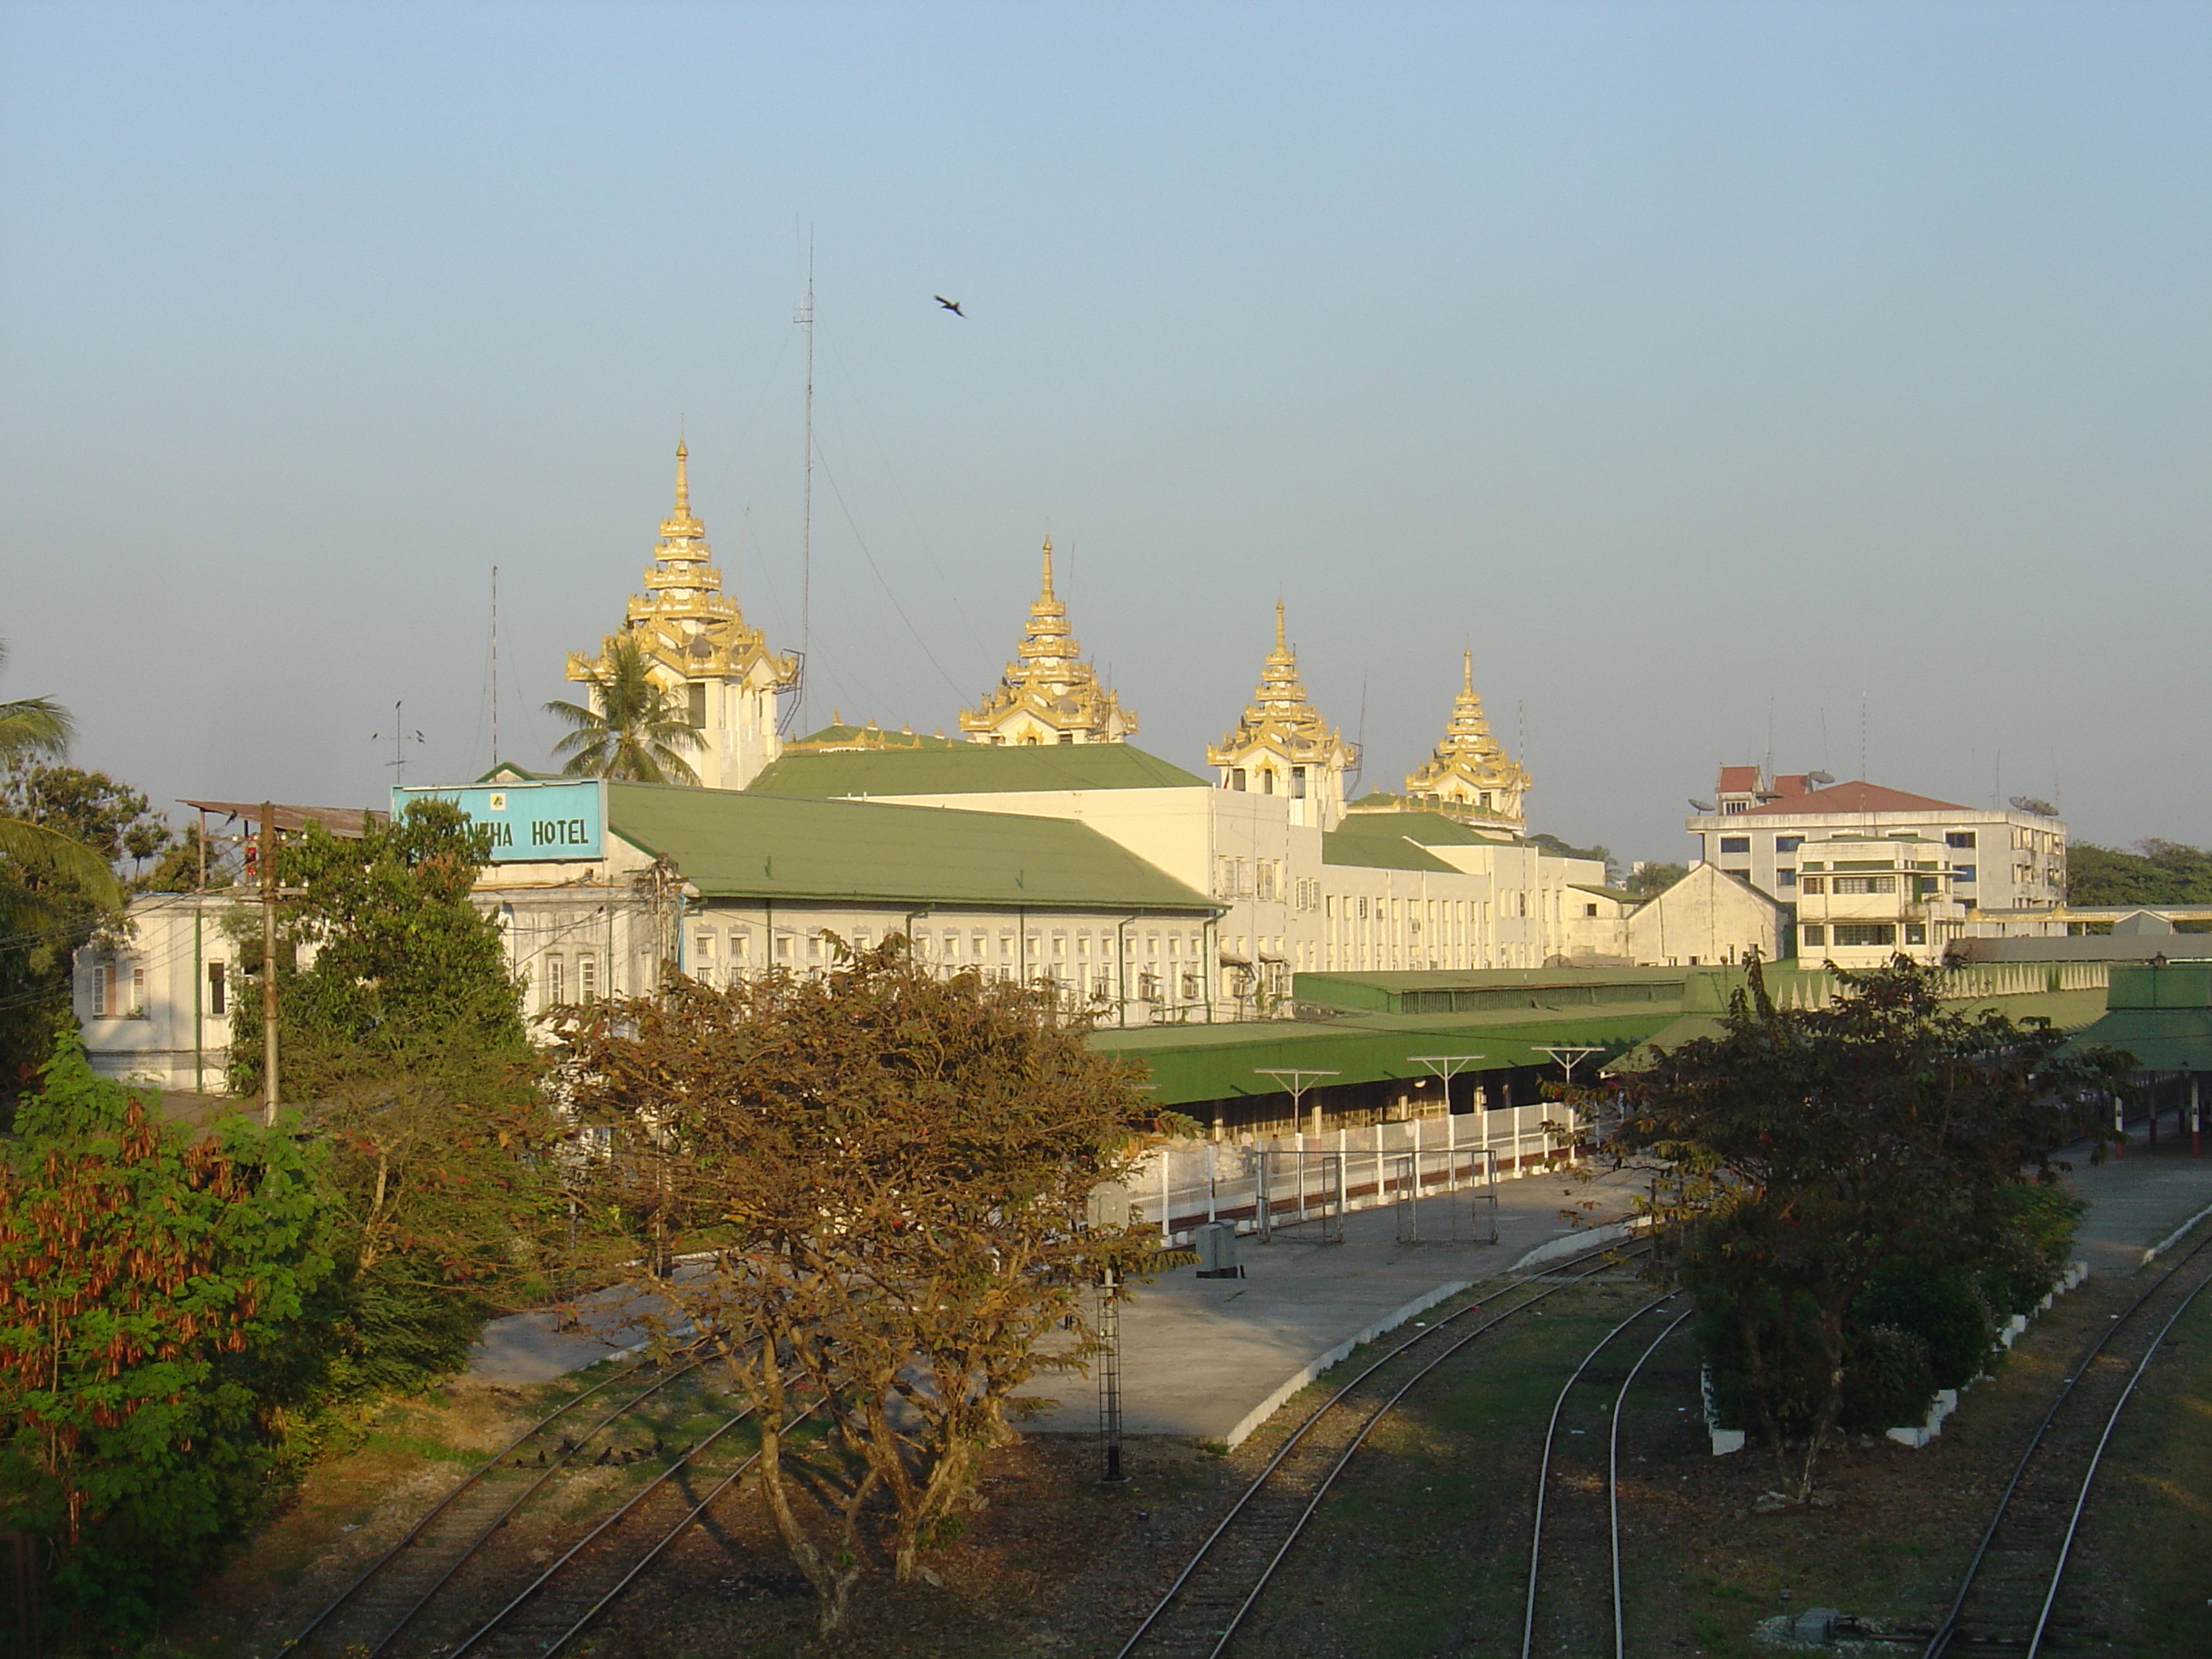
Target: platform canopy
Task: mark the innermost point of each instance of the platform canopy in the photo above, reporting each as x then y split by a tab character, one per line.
2160	1012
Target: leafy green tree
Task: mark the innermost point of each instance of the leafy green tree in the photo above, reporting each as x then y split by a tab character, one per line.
147	1275
402	1031
638	729
1650	880
2157	873
56	893
1552	843
1833	1171
880	1183
116	821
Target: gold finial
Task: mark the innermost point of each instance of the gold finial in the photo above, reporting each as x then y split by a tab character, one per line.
1279	625
1048	567
683	482
1467	675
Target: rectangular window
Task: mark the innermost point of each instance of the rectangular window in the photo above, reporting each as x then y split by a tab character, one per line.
978	947
1785	878
1006	947
556	982
1958	838
1298	783
1788	843
1916	933
1058	946
695	709
1083	944
138	994
1735	806
1962	872
814	947
1866	932
1813	884
783	947
1734	844
1813	935
741	947
218	989
1589	910
1866	884
103	978
587	979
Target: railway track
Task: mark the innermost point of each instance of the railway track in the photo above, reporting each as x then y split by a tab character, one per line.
1201	1611
393	1594
1578	1496
2008	1601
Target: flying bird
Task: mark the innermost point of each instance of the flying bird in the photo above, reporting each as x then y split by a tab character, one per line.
952	305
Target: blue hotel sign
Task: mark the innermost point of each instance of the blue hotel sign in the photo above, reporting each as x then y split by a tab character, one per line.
529	821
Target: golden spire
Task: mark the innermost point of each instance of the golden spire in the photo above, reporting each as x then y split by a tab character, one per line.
1467	675
1279	625
1048	592
683	482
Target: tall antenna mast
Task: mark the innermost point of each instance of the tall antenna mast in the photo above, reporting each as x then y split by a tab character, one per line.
805	317
494	666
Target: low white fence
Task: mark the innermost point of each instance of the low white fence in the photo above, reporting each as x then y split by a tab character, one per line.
1185	1184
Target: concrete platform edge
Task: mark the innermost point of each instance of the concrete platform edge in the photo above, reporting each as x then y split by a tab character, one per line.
1298	1379
1572	1243
2174	1238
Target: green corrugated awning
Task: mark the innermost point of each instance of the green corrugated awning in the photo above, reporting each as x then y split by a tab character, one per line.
1194	1063
1429	828
738	845
970	769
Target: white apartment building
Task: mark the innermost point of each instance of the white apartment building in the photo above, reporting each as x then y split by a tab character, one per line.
1757	826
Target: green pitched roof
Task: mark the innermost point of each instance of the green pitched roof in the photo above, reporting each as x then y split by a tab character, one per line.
737	845
1378	852
871	736
970	769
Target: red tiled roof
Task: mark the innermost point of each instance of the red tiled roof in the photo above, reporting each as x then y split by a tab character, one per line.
1738	779
1855	797
1793	784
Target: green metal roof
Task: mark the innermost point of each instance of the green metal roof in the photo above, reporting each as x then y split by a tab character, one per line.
2161	1013
1462	990
1429	828
738	845
970	769
2068	1011
1379	852
1194	1063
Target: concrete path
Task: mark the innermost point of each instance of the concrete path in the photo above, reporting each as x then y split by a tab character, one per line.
1211	1359
2139	1199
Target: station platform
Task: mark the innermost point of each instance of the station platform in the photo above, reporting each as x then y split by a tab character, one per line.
1209	1358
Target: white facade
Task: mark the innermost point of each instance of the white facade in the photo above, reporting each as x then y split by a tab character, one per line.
2008	861
155	1007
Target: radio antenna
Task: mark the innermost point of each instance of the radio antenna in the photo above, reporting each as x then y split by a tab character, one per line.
805	317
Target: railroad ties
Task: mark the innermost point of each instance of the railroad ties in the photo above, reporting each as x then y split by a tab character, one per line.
1574	1600
1199	1614
427	1593
2010	1601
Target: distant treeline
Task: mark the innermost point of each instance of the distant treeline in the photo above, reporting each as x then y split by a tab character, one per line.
2156	873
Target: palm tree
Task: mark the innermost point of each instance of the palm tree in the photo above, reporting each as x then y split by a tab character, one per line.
634	732
40	726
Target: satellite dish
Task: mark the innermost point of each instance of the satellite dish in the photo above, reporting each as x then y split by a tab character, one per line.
1701	807
2042	809
1822	778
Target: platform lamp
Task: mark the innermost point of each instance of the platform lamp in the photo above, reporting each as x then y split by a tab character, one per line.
1567	1057
1295	1081
1445	1067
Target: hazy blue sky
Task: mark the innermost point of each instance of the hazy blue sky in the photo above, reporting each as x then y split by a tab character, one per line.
1708	370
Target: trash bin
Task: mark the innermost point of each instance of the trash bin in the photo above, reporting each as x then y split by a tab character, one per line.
1216	1243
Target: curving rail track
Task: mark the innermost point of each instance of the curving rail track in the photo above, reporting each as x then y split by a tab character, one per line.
1200	1612
1578	1497
2009	1595
400	1590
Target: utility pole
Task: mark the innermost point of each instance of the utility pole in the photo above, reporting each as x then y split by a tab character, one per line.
805	319
269	1093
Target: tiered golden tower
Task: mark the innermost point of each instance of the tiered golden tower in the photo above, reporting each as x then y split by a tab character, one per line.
1049	695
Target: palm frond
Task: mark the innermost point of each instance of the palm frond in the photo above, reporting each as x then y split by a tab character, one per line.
49	852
